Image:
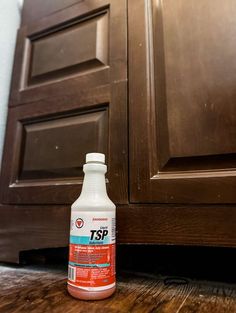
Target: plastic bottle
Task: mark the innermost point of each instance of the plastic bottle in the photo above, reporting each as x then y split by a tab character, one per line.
91	273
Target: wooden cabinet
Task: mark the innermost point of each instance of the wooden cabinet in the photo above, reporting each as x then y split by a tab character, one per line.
149	83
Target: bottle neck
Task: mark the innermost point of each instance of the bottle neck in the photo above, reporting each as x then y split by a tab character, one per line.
94	184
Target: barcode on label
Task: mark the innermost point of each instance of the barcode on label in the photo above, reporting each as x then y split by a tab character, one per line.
72	273
113	229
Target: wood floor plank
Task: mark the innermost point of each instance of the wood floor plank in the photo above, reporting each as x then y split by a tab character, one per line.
217	298
43	290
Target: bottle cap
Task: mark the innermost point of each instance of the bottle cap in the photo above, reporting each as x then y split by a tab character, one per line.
95	157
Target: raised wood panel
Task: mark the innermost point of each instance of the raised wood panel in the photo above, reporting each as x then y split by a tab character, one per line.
77	48
44	164
97	108
82	45
200	68
183	102
56	148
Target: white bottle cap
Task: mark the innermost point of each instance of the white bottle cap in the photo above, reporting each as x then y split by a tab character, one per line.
95	157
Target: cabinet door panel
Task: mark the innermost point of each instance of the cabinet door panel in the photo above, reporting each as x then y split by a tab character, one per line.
50	152
182	105
46	145
78	48
83	45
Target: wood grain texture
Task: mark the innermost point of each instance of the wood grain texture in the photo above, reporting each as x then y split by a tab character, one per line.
39	290
181	225
47	226
182	121
199	86
32	227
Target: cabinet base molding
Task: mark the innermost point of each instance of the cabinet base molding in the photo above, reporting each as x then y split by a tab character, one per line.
29	227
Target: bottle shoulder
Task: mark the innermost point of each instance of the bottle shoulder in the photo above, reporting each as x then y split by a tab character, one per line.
96	204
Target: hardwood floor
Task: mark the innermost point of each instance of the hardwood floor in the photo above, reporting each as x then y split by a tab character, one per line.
43	290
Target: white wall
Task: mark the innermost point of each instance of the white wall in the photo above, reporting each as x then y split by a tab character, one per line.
9	23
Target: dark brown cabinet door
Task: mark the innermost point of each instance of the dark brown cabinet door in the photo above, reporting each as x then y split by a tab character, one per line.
182	69
68	98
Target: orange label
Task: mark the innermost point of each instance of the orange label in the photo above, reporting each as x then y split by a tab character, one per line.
91	266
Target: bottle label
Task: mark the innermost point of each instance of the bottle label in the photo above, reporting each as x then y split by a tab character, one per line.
92	250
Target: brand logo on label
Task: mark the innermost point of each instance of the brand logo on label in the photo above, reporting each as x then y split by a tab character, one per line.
79	223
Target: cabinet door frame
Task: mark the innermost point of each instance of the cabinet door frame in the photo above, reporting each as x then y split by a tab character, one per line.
148	132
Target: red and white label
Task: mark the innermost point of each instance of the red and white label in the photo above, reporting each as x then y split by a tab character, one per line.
92	250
